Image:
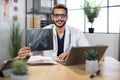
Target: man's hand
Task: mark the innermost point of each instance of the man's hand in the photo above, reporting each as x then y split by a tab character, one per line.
23	52
63	56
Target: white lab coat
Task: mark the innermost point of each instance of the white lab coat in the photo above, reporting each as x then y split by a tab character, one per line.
73	38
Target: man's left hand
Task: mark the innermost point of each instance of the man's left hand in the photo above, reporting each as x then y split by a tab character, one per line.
63	56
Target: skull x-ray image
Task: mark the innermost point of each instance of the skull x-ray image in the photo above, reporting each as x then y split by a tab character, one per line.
40	39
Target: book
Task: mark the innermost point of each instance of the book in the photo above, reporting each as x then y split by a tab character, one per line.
40	60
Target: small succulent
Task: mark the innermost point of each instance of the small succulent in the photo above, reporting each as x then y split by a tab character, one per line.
19	67
91	54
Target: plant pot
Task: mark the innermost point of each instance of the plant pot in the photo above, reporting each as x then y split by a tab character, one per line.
91	30
19	77
91	65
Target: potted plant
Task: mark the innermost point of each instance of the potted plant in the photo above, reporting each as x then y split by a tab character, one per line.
92	12
91	60
19	70
15	39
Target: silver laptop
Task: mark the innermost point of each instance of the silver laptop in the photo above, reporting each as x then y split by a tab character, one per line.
76	55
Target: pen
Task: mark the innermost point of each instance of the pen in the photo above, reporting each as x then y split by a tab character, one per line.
95	74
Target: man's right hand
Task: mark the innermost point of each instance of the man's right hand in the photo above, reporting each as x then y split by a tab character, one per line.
23	52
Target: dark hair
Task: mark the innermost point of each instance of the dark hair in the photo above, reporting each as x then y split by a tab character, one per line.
60	6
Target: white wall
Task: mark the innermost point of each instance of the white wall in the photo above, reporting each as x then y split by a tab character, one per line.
4	54
5	26
112	40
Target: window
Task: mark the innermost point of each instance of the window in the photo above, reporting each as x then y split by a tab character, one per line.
108	20
114	19
76	19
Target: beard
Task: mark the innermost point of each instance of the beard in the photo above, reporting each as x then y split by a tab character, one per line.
64	22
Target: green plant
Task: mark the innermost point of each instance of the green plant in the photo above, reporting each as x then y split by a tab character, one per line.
15	39
19	67
91	54
91	11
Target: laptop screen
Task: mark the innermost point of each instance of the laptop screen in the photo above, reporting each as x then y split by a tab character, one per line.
76	55
39	39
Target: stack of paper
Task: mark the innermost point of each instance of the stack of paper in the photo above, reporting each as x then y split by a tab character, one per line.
35	60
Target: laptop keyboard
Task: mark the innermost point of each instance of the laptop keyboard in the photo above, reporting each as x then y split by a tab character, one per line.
62	61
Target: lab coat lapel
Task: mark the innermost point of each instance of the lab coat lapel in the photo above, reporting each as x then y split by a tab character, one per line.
67	39
55	39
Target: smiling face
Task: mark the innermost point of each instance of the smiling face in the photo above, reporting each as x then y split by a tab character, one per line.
59	17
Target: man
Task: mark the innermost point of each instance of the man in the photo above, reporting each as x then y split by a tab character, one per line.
64	36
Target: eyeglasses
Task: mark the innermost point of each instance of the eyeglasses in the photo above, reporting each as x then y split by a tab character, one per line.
61	15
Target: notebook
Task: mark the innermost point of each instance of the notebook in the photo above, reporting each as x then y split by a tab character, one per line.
76	55
40	60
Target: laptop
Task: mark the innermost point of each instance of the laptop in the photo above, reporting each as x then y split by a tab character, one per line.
76	55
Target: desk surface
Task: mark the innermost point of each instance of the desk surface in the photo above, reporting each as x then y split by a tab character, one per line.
110	70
